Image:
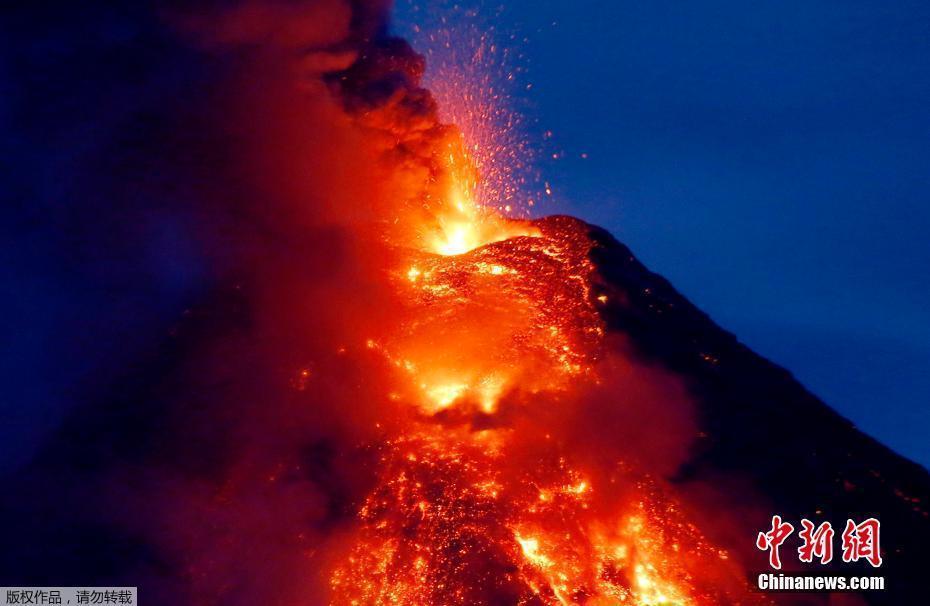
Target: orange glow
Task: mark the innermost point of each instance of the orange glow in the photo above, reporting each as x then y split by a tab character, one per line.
462	223
448	505
491	333
510	314
496	325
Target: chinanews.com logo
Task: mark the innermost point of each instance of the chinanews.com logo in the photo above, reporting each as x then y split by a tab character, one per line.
858	542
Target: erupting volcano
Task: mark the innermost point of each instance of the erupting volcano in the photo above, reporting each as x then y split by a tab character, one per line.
496	336
392	392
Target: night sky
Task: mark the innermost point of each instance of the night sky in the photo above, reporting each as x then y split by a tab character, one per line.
771	159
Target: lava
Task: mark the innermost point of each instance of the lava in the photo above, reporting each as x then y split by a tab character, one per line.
455	521
475	503
494	326
510	314
460	224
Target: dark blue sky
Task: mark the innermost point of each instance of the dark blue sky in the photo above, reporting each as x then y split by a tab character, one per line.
772	159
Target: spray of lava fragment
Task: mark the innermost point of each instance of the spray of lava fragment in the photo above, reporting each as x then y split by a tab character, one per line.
462	223
475	69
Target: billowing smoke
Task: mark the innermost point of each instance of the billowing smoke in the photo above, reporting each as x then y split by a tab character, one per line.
299	361
155	153
201	190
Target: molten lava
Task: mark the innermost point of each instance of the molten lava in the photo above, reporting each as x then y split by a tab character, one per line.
477	503
511	314
453	522
494	334
460	223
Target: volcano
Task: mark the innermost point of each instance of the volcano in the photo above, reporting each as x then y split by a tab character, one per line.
474	498
386	387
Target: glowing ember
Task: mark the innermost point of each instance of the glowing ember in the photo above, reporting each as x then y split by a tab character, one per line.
472	76
455	521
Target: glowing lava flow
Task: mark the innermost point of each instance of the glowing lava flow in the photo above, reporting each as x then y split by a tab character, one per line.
476	500
513	313
474	503
456	519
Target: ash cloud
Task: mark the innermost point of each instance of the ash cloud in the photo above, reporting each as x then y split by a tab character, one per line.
205	161
154	152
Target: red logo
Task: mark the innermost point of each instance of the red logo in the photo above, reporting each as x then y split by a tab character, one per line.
773	539
860	541
817	543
